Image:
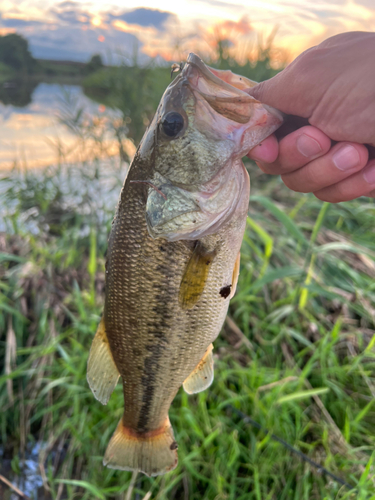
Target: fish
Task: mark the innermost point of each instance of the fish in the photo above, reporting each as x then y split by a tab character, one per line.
173	257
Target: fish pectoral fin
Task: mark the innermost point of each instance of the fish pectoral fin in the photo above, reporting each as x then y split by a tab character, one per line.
195	276
102	373
236	272
153	452
203	374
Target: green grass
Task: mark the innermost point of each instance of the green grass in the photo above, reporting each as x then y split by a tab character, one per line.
297	354
300	360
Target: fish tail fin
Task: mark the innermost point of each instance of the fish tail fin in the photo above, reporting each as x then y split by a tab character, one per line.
152	453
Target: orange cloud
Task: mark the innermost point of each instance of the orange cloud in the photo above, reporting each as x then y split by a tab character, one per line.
7	31
241	27
135	29
228	30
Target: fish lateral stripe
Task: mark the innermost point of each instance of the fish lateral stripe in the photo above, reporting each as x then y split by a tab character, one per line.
156	348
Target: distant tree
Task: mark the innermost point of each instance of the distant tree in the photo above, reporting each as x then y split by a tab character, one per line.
14	52
95	63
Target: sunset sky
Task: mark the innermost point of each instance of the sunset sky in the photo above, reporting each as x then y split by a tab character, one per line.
77	29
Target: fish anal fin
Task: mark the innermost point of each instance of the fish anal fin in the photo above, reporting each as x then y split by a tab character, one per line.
152	453
236	272
202	375
102	373
195	276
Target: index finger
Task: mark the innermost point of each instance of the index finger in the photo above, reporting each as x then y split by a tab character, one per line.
295	150
266	152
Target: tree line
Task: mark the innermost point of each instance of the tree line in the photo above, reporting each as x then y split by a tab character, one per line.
16	55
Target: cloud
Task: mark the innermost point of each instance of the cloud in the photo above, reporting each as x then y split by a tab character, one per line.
18	23
69	31
325	13
67	4
366	3
241	27
75	44
70	13
145	17
224	5
77	29
72	17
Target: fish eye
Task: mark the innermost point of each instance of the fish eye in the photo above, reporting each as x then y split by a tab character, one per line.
172	124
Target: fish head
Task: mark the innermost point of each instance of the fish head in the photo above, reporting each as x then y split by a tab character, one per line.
203	126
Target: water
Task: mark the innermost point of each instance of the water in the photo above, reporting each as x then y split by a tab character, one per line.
89	189
30	129
29	481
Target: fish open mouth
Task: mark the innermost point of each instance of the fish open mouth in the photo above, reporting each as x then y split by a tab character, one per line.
224	91
200	184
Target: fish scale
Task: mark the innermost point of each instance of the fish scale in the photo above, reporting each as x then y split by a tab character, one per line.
173	258
158	327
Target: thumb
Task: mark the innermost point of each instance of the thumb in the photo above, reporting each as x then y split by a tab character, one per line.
296	89
257	91
269	92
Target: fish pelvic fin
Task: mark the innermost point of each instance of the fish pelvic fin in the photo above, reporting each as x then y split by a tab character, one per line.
203	374
195	276
102	373
153	453
236	272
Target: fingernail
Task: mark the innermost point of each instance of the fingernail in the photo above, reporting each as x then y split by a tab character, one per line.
308	146
346	158
369	174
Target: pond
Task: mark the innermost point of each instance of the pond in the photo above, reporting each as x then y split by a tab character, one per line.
31	132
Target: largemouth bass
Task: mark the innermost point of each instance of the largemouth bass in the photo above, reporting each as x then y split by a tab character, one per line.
173	257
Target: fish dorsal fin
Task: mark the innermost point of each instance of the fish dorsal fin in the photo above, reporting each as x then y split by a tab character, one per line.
102	373
236	272
202	375
195	276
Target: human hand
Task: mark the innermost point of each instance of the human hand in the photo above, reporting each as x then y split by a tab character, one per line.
332	87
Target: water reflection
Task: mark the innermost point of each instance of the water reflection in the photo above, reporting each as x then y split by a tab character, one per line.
29	480
17	92
30	131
